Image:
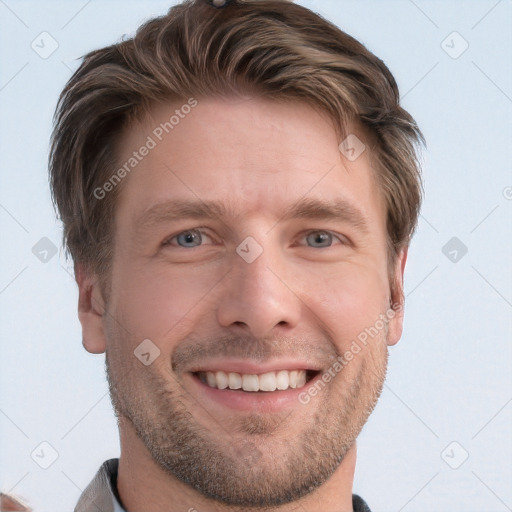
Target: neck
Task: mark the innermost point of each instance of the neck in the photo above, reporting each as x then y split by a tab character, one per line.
144	485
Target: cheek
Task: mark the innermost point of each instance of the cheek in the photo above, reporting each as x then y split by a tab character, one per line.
159	303
348	301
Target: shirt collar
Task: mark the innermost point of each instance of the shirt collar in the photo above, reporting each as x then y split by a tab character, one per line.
99	496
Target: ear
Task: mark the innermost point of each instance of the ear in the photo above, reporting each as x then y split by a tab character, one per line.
396	311
91	308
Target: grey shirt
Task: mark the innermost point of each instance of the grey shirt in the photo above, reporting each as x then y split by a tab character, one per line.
101	494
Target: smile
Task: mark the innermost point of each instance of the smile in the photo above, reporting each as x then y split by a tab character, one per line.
248	385
268	382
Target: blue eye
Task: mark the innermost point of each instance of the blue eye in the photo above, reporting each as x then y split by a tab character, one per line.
191	238
320	239
195	237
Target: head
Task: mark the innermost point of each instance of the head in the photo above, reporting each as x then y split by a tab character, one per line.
238	186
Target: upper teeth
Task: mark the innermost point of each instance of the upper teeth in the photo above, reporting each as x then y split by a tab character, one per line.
270	381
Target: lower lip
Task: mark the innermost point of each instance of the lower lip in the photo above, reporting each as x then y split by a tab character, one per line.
260	401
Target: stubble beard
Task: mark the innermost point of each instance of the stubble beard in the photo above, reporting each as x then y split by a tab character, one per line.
250	462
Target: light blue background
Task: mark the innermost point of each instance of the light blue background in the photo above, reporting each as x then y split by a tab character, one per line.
450	377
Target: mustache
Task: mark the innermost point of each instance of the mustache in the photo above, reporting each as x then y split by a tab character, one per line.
193	350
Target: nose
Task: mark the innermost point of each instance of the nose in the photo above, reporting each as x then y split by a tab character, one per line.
259	297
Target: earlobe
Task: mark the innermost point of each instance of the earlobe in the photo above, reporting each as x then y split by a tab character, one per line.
91	308
396	311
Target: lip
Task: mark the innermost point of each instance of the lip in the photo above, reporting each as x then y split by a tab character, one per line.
252	367
238	400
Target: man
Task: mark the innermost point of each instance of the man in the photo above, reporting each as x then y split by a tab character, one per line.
238	187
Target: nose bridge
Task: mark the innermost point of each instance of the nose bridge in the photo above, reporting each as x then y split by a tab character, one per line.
256	277
257	296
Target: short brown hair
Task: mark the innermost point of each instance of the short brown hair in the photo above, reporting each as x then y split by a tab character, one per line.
272	48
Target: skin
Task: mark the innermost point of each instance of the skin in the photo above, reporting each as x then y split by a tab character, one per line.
299	298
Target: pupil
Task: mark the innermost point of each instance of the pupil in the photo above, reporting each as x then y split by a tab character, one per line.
190	238
321	238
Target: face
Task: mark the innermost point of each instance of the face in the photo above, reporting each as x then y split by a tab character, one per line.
249	252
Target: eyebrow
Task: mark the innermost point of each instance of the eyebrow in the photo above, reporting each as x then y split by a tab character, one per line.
313	209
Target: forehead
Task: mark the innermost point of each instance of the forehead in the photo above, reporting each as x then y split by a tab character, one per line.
258	157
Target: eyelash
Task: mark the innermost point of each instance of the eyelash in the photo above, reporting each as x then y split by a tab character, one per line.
202	230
